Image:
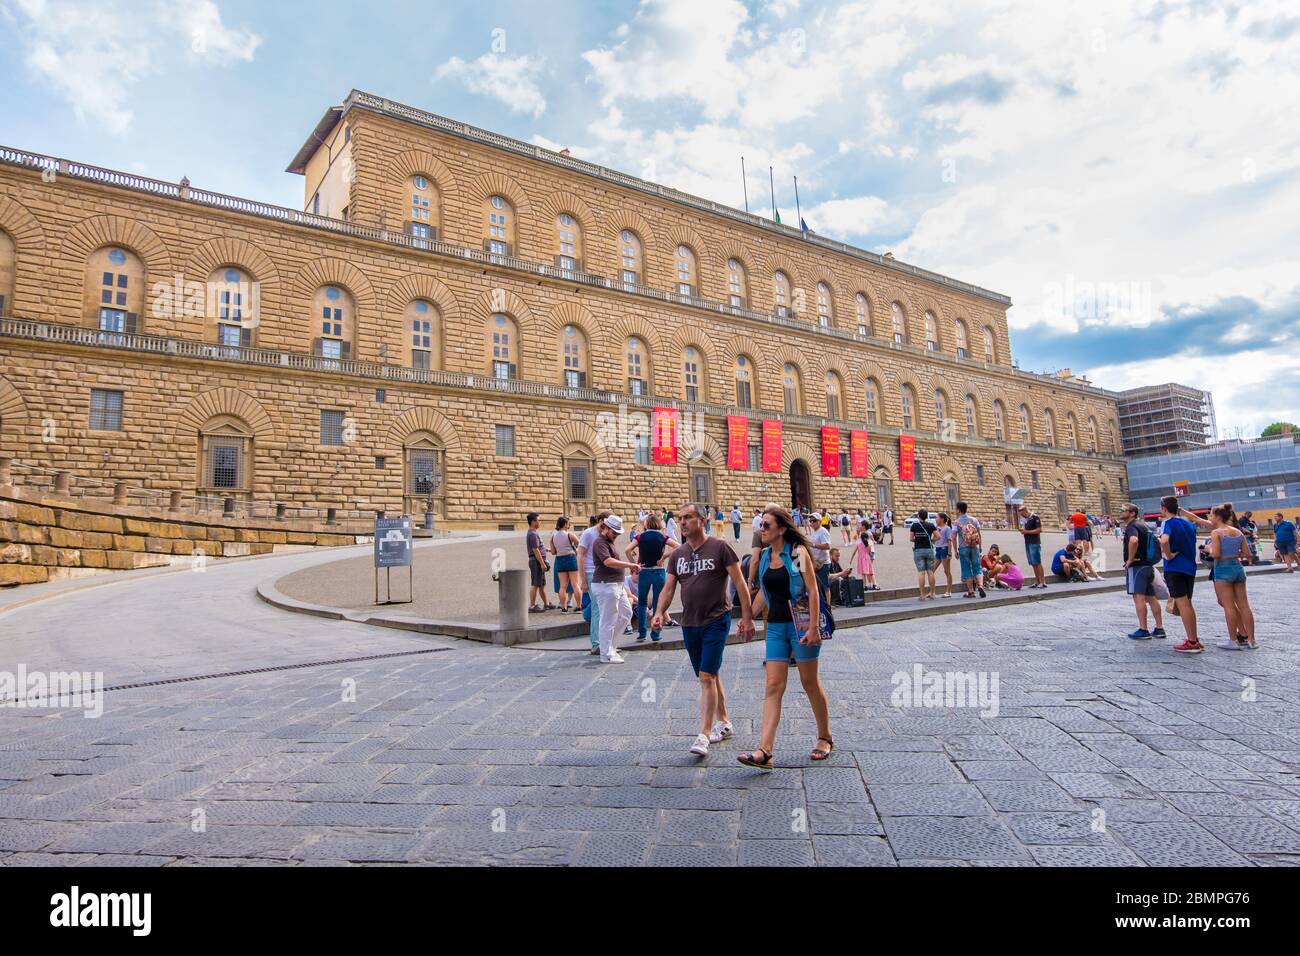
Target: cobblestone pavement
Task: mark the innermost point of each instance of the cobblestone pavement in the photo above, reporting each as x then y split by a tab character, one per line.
1103	750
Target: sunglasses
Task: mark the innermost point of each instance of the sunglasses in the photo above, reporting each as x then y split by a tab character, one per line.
768	525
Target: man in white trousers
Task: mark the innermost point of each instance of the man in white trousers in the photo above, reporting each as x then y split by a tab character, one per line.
607	590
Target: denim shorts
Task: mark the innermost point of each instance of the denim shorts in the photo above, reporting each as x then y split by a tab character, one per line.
1034	554
1286	547
705	644
566	562
970	562
1229	572
782	645
941	554
923	558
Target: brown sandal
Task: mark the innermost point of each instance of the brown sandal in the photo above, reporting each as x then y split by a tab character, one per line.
749	760
818	753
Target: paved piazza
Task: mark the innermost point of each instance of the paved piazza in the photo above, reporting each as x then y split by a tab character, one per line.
1103	750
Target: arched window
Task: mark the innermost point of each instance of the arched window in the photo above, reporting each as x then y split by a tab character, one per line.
425	210
629	248
1026	434
825	307
781	293
999	420
899	321
834	394
1092	435
931	332
503	346
423	485
940	409
963	345
638	367
693	382
573	349
873	402
500	239
793	390
737	284
990	351
1071	431
686	284
908	401
225	458
232	307
1049	428
568	243
8	267
335	318
744	381
424	327
579	480
862	306
114	290
972	416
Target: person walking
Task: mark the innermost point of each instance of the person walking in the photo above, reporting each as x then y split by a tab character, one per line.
969	541
821	552
586	569
537	566
736	517
649	551
564	545
786	584
945	535
608	590
887	527
1031	527
1082	532
922	534
1284	542
703	567
1246	524
1140	551
1178	545
845	532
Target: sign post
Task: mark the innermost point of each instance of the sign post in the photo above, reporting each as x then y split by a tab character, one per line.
393	550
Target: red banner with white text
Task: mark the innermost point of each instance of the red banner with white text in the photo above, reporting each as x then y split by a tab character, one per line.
663	436
771	444
830	450
737	442
906	458
858	453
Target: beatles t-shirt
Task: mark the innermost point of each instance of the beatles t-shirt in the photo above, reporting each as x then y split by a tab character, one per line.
702	576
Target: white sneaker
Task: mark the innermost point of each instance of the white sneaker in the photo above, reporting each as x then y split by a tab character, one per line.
701	746
721	731
614	658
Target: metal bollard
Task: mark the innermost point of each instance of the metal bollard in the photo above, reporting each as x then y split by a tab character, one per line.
330	515
512	599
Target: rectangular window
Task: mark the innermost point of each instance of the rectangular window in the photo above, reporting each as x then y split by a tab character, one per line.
979	474
636	386
331	426
643	450
505	441
502	370
1033	479
112	320
579	482
229	334
1081	485
755	457
105	410
380	395
744	395
225	456
844	464
420	359
381	461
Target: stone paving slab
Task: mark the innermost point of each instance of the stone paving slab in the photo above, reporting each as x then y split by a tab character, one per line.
1103	751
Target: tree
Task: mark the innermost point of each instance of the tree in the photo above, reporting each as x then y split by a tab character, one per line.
1278	427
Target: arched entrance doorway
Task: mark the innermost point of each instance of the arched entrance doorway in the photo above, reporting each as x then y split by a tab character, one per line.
800	485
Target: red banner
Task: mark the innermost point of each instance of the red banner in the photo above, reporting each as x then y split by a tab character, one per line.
858	453
830	450
906	458
737	442
663	437
771	444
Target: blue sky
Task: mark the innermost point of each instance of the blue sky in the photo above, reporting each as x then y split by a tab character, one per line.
1126	172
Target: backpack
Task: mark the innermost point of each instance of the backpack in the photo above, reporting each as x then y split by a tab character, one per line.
1153	552
970	535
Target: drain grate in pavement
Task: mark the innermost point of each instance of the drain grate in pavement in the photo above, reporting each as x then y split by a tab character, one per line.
260	670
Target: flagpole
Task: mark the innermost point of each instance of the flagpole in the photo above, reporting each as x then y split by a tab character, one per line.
771	185
798	214
744	183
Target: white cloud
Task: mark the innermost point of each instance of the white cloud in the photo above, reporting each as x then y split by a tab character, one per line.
858	216
92	52
511	80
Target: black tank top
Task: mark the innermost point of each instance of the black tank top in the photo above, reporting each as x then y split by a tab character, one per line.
777	583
